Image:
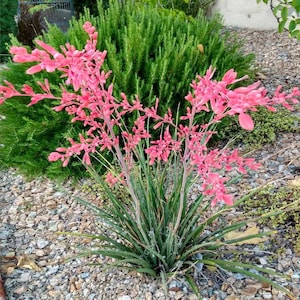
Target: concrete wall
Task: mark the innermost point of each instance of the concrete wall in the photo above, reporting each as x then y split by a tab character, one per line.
246	14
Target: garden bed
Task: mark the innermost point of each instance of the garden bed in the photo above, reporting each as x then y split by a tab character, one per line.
33	256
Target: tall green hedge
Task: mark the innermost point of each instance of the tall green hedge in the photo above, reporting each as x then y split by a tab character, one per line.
152	52
8	11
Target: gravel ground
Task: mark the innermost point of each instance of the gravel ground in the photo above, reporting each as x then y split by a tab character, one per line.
33	257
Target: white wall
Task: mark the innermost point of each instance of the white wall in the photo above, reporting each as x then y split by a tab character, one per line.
246	14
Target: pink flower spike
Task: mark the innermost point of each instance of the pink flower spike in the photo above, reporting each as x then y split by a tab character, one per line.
86	158
15	50
38	97
87	26
209	73
111	180
45	86
54	156
246	121
47	47
21	55
66	161
229	77
226	198
34	69
27	89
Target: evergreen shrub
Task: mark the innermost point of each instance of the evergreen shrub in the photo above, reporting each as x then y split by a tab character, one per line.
155	52
152	52
29	133
8	10
80	5
189	7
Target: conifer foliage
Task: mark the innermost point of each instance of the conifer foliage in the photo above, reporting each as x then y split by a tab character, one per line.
8	10
152	52
155	52
79	6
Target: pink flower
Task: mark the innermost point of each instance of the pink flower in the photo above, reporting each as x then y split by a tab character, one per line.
229	77
21	55
162	148
214	186
111	179
48	48
54	156
8	91
246	121
87	26
89	101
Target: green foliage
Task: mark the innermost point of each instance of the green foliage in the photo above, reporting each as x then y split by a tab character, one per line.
8	9
267	126
155	53
80	5
38	7
287	13
152	52
189	7
155	249
29	134
288	222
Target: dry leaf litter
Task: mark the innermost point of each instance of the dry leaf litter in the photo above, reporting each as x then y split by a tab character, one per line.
33	257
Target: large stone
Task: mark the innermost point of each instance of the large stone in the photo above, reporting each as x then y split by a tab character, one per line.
41	243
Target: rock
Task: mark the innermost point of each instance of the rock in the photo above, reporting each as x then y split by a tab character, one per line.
52	270
133	293
55	281
250	290
232	297
126	297
148	296
296	277
53	226
52	293
85	293
6	230
77	285
32	214
43	263
267	295
39	252
11	254
159	293
24	277
58	195
239	276
92	296
42	243
175	286
19	233
84	275
51	204
20	290
263	261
